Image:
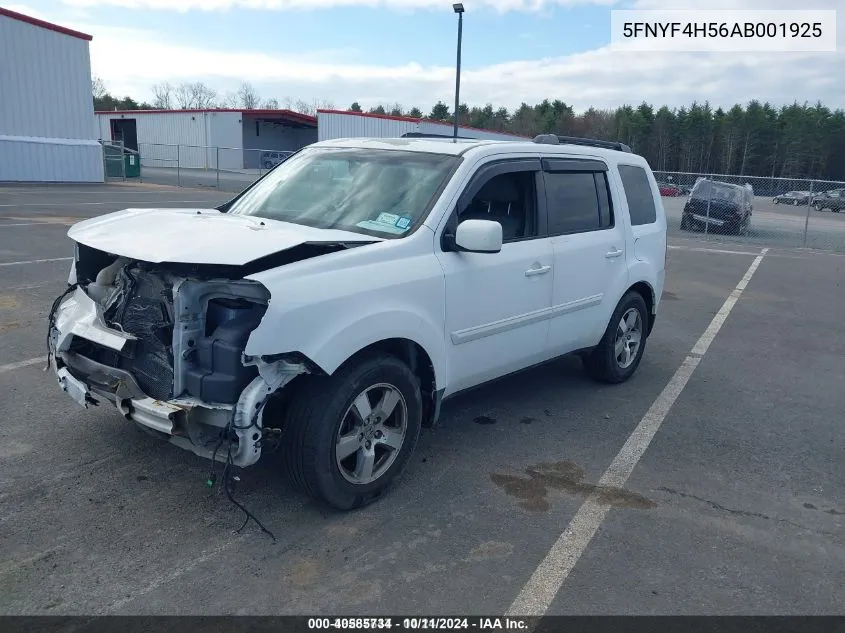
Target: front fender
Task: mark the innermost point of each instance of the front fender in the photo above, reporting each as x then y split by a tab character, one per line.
328	343
332	349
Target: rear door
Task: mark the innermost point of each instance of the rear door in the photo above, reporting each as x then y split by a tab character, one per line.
588	241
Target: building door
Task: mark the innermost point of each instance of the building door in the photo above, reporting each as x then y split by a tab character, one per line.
125	131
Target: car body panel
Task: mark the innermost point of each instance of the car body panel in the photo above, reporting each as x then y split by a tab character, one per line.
198	236
476	316
357	300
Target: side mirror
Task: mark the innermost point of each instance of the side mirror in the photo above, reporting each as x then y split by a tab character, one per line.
479	236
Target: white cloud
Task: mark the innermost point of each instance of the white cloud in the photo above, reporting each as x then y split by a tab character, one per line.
600	78
288	5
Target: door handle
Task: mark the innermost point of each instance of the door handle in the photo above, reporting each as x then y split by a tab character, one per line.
614	253
537	270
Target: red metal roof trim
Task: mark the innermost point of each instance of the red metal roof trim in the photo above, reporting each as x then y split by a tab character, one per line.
44	25
410	119
290	114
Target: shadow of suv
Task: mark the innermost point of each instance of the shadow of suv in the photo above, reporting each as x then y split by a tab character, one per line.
720	207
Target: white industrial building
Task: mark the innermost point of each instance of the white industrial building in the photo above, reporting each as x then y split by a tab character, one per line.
333	124
204	139
242	139
47	128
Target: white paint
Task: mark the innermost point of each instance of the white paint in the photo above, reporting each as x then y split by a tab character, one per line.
22	363
158	235
701	249
169	577
333	306
540	590
44	138
718	320
37	261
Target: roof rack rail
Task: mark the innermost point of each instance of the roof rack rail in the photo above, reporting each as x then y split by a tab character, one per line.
555	139
424	135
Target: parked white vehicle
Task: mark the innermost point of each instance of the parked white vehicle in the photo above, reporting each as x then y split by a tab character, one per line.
334	304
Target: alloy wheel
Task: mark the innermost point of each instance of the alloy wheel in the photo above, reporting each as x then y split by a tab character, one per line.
371	434
628	338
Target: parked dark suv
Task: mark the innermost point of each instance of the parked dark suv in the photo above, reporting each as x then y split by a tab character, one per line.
833	200
720	206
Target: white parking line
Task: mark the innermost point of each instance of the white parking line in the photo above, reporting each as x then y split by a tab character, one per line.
540	590
22	363
703	249
37	261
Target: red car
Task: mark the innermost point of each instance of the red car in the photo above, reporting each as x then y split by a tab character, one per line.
669	190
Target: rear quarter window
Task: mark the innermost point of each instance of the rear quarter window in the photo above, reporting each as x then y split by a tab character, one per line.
638	193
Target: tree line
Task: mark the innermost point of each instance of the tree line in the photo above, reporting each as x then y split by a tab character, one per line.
757	139
198	95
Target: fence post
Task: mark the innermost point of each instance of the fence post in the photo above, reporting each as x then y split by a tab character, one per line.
178	165
217	166
807	217
709	199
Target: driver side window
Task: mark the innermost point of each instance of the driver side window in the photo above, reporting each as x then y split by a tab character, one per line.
509	199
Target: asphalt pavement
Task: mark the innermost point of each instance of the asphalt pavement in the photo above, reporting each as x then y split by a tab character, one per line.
735	504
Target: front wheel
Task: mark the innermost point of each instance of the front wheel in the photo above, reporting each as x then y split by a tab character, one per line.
618	354
348	436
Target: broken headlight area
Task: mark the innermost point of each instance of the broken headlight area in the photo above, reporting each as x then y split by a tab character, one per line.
165	343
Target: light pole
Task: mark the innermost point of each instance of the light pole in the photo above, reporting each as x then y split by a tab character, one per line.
459	9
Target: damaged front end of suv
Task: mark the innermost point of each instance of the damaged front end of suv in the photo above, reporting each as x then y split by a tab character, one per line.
164	344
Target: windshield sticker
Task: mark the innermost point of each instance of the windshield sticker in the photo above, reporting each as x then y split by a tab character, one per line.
375	225
387	218
388	223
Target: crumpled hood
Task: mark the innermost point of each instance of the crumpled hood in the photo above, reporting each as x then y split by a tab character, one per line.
198	236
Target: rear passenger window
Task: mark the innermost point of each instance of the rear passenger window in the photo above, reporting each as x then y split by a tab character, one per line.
577	202
638	194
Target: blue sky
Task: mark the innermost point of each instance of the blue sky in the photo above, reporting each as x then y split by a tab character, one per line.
385	51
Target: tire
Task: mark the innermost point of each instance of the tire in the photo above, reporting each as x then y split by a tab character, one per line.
601	364
324	405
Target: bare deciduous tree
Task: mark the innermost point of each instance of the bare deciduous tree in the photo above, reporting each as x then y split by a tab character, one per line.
303	107
248	96
202	95
287	103
271	104
195	95
231	100
163	96
183	96
98	87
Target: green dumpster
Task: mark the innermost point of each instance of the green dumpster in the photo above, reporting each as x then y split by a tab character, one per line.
133	165
122	164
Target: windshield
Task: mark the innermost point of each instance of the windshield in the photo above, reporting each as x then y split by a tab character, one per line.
716	191
385	193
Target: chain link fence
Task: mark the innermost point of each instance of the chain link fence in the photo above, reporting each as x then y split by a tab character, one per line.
229	169
790	212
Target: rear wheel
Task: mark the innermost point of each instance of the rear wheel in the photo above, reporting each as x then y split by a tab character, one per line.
617	356
349	436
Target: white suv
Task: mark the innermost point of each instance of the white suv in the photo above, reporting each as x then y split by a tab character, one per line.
331	307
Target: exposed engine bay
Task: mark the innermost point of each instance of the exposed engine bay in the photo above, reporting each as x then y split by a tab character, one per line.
165	343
